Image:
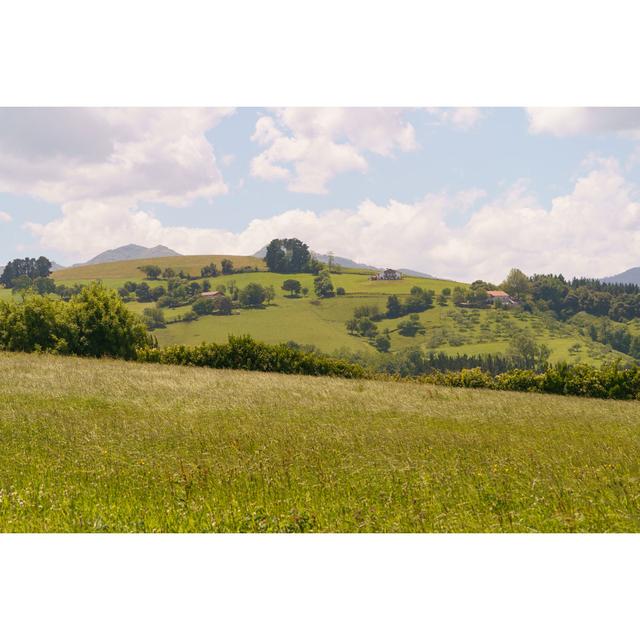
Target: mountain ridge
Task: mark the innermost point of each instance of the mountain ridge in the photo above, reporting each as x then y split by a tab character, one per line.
630	276
130	252
348	263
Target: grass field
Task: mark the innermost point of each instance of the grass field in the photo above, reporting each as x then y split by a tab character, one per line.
113	446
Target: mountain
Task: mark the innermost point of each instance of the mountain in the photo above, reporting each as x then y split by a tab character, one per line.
349	264
414	274
630	276
131	252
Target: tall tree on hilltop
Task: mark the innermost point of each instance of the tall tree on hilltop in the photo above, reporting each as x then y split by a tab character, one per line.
288	255
29	267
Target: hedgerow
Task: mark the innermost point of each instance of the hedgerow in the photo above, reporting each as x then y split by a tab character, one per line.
609	381
246	353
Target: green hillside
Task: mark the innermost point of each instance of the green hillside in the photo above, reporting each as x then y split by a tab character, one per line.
128	269
321	322
104	445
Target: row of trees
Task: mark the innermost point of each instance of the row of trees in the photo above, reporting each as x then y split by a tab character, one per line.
22	272
564	298
155	272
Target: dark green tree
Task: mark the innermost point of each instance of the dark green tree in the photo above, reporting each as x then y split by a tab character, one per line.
152	271
288	255
292	286
253	295
322	285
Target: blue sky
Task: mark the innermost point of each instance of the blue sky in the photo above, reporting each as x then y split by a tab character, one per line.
460	193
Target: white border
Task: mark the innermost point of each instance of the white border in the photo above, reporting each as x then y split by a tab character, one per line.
330	53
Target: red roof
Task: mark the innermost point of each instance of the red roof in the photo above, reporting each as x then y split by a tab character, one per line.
498	294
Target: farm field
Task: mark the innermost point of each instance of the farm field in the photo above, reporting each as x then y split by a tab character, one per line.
309	320
89	445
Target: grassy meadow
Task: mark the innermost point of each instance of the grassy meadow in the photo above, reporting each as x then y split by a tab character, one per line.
90	445
308	320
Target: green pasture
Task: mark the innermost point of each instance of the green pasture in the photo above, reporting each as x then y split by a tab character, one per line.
110	446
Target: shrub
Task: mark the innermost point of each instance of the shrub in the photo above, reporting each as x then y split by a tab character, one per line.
154	318
95	322
253	295
203	306
246	353
382	343
152	271
340	291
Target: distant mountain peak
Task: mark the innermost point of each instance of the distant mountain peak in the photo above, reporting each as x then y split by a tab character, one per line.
132	252
630	276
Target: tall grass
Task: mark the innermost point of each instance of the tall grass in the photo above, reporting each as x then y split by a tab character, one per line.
90	445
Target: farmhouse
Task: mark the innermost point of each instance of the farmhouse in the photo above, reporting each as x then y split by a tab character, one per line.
387	274
501	296
211	294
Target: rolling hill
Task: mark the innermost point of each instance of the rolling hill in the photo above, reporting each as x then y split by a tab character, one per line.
110	446
312	321
128	269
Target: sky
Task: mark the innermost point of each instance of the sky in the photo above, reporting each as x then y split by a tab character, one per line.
462	193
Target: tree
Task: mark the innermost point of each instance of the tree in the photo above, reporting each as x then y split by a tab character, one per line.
21	285
143	293
223	305
305	291
152	271
270	294
227	266
102	325
288	255
203	306
43	286
419	300
394	307
322	285
168	273
531	354
210	271
517	284
293	286
411	327
340	291
154	318
459	296
30	267
253	295
382	343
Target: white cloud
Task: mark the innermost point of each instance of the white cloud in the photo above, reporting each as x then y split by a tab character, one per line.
67	155
462	118
584	120
5	217
592	230
307	147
